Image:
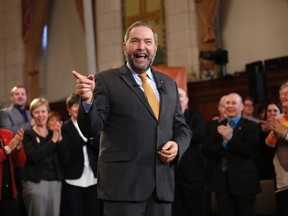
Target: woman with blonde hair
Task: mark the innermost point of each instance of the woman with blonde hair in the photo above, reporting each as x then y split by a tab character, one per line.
42	174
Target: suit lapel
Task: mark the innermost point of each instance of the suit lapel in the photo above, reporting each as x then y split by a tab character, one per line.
17	115
128	78
239	126
130	81
164	101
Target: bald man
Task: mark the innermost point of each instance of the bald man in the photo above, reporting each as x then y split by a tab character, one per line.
232	148
190	174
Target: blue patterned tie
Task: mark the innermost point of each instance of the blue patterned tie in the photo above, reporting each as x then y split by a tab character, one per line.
224	159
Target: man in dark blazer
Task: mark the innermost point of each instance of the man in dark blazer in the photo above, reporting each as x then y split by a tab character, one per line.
232	151
137	151
190	174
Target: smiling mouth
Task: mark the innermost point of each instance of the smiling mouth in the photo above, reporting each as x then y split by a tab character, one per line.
141	55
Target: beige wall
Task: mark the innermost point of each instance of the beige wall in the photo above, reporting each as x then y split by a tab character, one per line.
254	30
11	49
109	34
66	50
181	36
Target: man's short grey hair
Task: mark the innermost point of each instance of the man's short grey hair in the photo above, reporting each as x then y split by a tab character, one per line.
283	86
136	24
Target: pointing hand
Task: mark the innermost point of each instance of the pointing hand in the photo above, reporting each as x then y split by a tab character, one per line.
84	86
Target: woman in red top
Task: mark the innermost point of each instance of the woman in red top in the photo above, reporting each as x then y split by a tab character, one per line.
11	155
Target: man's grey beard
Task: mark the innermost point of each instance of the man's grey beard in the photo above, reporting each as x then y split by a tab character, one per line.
137	69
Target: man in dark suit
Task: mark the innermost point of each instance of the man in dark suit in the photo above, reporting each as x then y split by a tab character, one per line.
232	149
190	174
139	146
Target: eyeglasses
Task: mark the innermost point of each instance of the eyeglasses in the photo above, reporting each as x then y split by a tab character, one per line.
250	105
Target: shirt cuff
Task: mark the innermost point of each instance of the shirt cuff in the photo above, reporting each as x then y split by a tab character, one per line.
224	144
7	150
86	106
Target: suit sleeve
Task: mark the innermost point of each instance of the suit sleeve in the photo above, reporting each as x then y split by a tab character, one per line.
6	122
182	134
91	123
246	143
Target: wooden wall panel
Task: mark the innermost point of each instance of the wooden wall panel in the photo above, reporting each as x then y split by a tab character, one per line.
205	95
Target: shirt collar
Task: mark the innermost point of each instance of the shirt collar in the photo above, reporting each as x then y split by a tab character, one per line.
235	120
148	72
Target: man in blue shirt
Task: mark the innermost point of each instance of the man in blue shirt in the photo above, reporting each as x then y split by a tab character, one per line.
232	149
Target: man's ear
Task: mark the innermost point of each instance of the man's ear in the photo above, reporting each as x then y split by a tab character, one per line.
242	106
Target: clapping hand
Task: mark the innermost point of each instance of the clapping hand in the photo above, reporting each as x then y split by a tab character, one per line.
265	125
278	128
57	134
226	131
16	142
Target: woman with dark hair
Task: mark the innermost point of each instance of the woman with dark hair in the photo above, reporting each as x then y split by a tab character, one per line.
79	191
54	118
266	167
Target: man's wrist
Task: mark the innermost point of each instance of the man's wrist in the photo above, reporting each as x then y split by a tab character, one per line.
7	150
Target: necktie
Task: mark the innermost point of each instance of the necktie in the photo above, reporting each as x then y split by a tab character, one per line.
232	124
224	159
150	95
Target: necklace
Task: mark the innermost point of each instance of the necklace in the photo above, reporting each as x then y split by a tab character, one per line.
41	131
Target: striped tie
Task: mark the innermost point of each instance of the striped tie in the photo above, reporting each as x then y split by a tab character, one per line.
150	95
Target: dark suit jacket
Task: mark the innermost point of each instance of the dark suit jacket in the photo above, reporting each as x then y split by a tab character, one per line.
12	119
192	164
265	158
241	177
72	162
128	166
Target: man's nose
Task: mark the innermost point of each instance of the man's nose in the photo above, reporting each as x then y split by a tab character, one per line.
141	45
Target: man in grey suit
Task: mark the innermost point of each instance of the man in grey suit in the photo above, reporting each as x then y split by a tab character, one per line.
138	149
16	116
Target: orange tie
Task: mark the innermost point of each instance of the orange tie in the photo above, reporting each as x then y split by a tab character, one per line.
150	95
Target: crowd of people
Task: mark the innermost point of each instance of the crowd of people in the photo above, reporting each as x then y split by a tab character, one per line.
57	171
132	147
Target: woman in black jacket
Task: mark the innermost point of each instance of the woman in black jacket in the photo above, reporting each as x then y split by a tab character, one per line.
79	192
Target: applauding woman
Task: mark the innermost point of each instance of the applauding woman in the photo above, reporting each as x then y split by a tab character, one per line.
11	155
42	174
278	139
79	191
